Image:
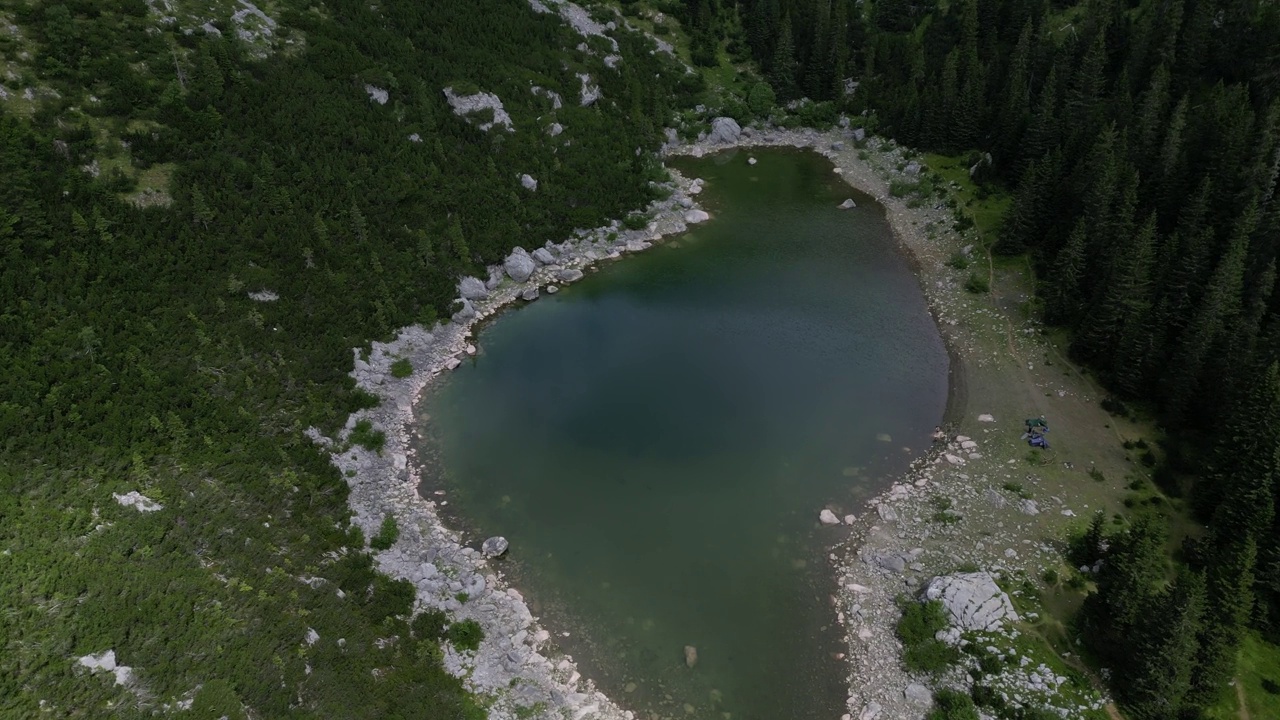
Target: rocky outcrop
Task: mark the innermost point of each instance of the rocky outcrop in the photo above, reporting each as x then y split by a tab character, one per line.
137	501
518	265
472	288
464	105
973	601
724	130
590	91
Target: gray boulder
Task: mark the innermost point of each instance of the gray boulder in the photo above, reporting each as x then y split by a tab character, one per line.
918	694
530	295
859	135
973	601
892	563
724	130
912	169
528	182
848	204
495	546
466	313
471	288
519	265
495	277
543	256
568	275
837	146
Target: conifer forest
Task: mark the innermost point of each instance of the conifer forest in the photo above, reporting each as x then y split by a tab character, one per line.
156	177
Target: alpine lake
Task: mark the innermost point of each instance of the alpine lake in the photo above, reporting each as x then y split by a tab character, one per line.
657	440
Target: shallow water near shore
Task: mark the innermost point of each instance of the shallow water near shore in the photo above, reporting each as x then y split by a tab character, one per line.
656	441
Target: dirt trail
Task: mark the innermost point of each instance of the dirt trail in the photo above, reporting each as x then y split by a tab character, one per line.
1244	704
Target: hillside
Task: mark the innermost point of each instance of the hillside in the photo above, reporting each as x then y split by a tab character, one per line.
206	206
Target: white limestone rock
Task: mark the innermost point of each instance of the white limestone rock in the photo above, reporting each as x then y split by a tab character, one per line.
494	547
543	256
826	517
519	265
138	501
466	104
724	130
528	182
973	601
590	91
377	94
693	217
472	288
848	204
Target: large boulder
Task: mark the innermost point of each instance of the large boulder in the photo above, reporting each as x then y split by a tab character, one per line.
494	546
724	130
519	265
543	256
973	601
568	275
471	288
693	217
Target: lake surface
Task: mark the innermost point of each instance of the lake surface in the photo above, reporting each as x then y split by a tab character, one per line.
657	440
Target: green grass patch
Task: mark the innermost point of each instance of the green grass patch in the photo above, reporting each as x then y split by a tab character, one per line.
366	437
387	535
1258	675
401	368
985	206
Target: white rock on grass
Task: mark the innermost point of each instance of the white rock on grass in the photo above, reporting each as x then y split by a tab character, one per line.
106	662
826	517
137	500
528	182
377	94
465	104
986	418
973	601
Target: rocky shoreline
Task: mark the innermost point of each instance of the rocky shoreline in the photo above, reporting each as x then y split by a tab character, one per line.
515	666
892	549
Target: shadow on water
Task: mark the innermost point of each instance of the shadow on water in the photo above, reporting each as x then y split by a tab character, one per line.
657	440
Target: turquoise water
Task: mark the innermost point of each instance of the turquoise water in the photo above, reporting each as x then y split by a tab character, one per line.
657	440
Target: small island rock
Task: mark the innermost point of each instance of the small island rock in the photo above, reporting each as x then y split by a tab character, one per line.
494	547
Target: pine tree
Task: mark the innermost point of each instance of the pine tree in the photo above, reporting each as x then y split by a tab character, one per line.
1130	577
1164	651
1229	602
1063	303
782	71
1220	303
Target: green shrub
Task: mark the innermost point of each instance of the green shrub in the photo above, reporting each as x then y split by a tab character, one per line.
465	635
1050	577
365	436
921	651
429	625
635	221
977	284
387	535
401	368
901	188
953	705
959	261
1097	475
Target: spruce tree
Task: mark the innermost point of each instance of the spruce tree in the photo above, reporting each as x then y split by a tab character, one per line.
782	70
1164	651
1229	580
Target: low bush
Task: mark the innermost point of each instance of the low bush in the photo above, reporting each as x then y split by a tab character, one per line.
387	535
953	705
635	221
465	635
366	437
922	652
401	368
977	284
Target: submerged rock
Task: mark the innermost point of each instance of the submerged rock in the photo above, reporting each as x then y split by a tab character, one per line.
693	217
848	204
494	547
826	517
690	655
